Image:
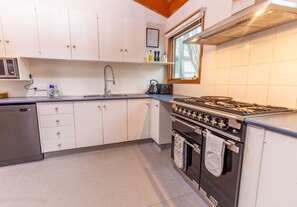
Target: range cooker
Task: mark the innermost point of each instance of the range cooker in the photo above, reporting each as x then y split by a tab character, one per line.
192	118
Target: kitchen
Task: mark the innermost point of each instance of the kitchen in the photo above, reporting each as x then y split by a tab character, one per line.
258	68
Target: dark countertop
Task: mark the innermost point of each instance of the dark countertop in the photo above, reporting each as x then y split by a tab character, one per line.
283	123
30	100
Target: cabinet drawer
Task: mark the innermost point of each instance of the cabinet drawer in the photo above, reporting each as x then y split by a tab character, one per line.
56	120
52	145
57	132
55	108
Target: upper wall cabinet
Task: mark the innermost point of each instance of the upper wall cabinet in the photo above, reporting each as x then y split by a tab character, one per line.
19	37
121	39
67	35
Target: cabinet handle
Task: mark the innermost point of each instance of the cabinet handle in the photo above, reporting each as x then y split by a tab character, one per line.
59	145
104	107
57	121
99	107
7	41
67	46
121	50
56	108
74	46
58	133
0	40
126	50
157	105
147	104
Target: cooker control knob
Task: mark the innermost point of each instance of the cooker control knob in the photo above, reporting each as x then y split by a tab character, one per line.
222	124
180	110
176	109
213	121
194	115
200	117
184	111
206	119
189	113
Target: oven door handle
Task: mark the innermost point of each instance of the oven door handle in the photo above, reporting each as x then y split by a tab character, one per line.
194	146
229	144
196	129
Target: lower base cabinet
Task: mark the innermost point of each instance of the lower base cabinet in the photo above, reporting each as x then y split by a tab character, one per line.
88	123
115	128
138	119
160	122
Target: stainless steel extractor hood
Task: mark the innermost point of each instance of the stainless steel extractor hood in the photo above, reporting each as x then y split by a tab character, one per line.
253	19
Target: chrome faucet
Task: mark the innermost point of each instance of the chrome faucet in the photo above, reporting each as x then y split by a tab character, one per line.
106	90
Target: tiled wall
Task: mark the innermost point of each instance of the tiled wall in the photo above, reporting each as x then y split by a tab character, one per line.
260	68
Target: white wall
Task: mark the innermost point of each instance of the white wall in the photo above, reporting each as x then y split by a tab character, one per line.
79	78
260	68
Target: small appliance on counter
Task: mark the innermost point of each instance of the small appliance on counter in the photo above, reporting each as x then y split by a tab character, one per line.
164	88
153	87
3	94
156	88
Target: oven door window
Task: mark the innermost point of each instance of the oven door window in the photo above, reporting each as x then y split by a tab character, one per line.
2	69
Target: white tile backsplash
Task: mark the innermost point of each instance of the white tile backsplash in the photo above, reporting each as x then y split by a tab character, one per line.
285	48
259	74
284	73
221	90
256	94
238	75
223	58
240	56
262	52
282	96
237	92
222	76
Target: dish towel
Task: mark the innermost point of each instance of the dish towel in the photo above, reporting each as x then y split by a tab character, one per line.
180	156
214	154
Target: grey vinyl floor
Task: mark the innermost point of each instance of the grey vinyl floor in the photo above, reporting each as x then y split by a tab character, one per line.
137	175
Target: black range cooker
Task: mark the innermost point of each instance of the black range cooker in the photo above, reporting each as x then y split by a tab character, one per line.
194	118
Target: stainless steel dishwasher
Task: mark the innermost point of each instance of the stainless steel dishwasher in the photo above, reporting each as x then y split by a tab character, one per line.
19	134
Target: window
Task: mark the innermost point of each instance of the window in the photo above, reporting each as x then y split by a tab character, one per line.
186	57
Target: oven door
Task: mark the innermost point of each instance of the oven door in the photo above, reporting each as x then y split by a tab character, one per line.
193	137
3	69
223	191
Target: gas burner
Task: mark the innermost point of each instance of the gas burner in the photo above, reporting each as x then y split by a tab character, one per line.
227	104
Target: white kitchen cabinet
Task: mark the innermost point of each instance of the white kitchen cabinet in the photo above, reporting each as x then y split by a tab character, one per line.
160	122
121	39
278	180
19	33
115	121
53	27
138	119
67	34
84	35
56	126
2	48
88	123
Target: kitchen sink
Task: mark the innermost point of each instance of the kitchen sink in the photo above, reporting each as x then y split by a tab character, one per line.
102	95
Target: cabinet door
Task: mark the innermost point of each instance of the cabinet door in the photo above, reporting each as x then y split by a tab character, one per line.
114	121
138	119
278	180
134	40
88	123
154	120
53	27
84	35
2	49
20	29
111	38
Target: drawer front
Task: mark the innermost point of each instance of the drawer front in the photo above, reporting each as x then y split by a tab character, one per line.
57	132
55	108
52	145
56	120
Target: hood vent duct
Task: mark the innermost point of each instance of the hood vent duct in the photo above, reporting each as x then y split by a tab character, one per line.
253	19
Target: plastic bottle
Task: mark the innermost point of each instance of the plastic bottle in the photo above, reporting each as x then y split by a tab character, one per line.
151	57
164	58
158	56
51	91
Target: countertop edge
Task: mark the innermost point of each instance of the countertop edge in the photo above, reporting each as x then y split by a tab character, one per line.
270	127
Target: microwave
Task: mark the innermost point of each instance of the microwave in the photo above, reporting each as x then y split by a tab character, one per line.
9	68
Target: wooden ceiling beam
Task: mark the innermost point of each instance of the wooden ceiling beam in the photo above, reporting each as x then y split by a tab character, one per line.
164	7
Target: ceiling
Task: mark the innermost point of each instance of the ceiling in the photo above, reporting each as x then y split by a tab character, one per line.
164	7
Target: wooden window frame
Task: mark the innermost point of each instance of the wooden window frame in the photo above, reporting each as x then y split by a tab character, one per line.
170	68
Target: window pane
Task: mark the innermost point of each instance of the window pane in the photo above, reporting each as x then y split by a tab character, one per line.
186	56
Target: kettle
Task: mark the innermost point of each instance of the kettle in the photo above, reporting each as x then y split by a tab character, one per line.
153	87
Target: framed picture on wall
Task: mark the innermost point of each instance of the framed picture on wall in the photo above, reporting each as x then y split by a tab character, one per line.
152	37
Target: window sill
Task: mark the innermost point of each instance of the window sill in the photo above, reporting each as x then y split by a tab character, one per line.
184	81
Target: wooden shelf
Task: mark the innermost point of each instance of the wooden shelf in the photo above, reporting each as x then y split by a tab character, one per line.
14	80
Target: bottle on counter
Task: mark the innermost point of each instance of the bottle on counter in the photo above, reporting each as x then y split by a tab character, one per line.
164	58
151	56
51	91
158	56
